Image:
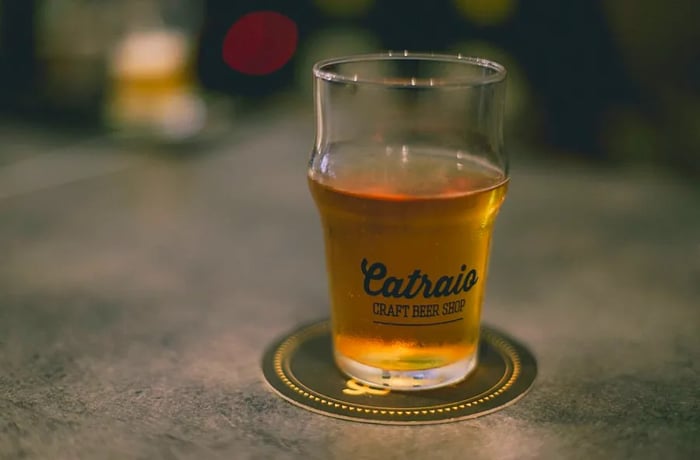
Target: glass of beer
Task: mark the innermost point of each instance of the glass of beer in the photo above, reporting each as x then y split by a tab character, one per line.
408	173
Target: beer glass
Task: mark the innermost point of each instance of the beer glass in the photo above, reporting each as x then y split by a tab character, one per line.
408	173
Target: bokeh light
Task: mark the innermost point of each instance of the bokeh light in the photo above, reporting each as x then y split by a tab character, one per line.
653	43
344	8
627	134
260	43
521	110
486	12
331	43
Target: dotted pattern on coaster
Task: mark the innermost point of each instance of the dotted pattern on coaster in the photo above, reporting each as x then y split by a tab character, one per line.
300	368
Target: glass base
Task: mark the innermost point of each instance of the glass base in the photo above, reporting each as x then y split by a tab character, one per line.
424	379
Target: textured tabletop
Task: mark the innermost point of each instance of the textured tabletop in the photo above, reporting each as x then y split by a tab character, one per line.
138	292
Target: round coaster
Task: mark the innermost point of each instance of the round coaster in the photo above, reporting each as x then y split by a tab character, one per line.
300	368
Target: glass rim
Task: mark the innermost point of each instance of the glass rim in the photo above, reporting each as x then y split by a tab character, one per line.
499	71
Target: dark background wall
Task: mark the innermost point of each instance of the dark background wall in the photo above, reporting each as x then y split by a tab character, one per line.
614	80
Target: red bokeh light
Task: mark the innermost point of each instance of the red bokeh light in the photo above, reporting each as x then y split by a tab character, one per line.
260	43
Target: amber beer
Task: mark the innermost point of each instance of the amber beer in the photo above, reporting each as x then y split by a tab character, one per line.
407	256
408	173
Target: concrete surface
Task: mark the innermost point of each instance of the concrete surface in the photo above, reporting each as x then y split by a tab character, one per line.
137	293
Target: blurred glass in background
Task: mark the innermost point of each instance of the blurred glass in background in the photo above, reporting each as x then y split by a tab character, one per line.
615	80
151	89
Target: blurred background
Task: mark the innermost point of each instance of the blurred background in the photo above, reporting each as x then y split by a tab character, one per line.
611	81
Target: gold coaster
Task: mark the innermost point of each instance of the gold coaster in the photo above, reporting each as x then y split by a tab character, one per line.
300	368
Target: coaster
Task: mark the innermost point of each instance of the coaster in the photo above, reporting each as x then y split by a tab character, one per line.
300	368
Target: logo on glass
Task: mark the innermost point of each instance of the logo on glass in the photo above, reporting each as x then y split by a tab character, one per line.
376	282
